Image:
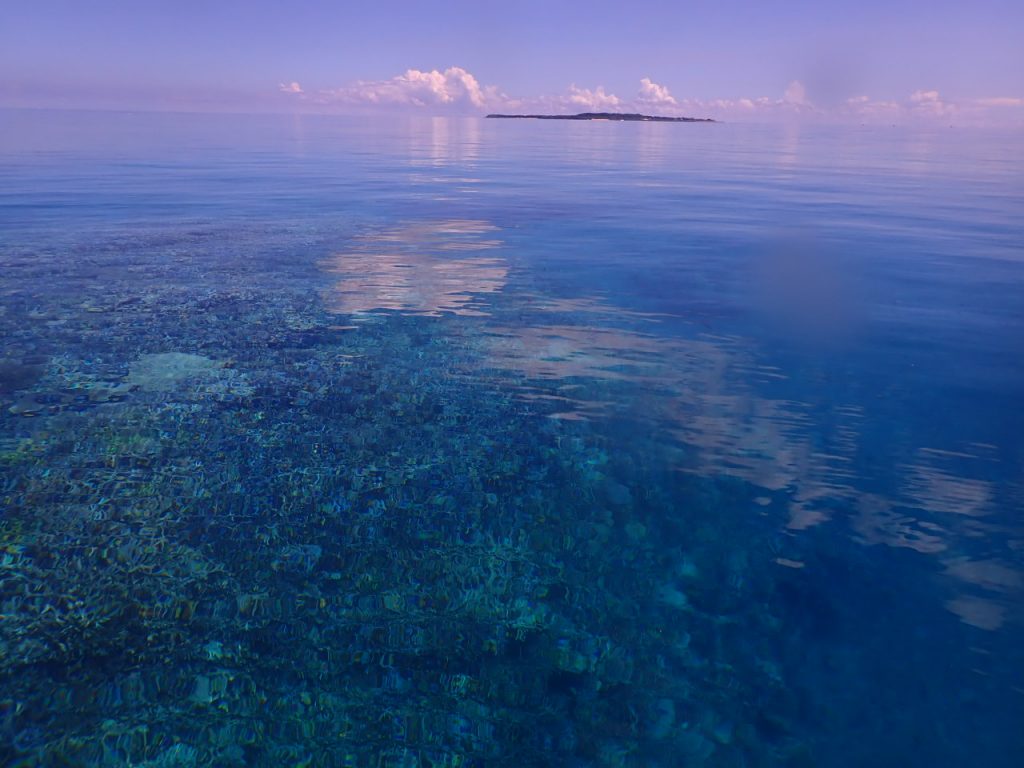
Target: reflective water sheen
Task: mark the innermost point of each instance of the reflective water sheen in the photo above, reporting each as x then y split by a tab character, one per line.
448	442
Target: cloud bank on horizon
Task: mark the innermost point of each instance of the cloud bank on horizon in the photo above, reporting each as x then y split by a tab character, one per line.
457	91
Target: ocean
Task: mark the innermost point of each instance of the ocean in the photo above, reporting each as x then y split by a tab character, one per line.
409	441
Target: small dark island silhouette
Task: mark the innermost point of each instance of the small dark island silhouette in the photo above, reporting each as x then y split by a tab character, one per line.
623	116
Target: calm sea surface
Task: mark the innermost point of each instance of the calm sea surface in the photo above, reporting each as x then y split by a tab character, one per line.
456	442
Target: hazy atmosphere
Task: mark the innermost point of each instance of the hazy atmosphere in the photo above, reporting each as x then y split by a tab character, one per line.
893	61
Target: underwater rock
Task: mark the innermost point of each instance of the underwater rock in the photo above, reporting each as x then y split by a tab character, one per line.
202	691
214	650
618	494
693	747
26	406
635	531
297	558
227	385
687	569
672	596
166	370
113	393
15	375
723	732
178	756
663	718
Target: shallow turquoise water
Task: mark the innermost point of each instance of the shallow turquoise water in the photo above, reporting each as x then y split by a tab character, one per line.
454	442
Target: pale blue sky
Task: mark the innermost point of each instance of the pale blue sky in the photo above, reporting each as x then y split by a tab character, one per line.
235	55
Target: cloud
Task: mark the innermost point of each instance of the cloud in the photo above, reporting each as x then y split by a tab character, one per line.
653	97
931	104
794	101
795	93
1001	101
454	87
921	104
595	99
457	90
865	108
654	94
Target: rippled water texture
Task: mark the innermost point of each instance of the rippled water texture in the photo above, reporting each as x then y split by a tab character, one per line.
457	442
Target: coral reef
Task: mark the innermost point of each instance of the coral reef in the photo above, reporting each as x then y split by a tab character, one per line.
311	543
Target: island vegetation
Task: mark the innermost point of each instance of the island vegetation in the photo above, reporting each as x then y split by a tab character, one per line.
621	116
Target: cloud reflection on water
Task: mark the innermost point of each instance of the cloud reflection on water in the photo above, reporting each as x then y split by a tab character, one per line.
585	358
706	393
423	269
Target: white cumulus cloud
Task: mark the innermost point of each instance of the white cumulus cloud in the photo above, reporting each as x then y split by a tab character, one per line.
454	87
457	90
654	94
795	93
925	97
930	103
596	99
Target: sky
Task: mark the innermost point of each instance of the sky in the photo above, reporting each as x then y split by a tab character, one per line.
870	59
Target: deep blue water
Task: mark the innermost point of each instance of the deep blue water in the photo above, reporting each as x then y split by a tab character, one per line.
333	441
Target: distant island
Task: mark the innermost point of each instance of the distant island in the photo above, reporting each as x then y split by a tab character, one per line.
623	116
